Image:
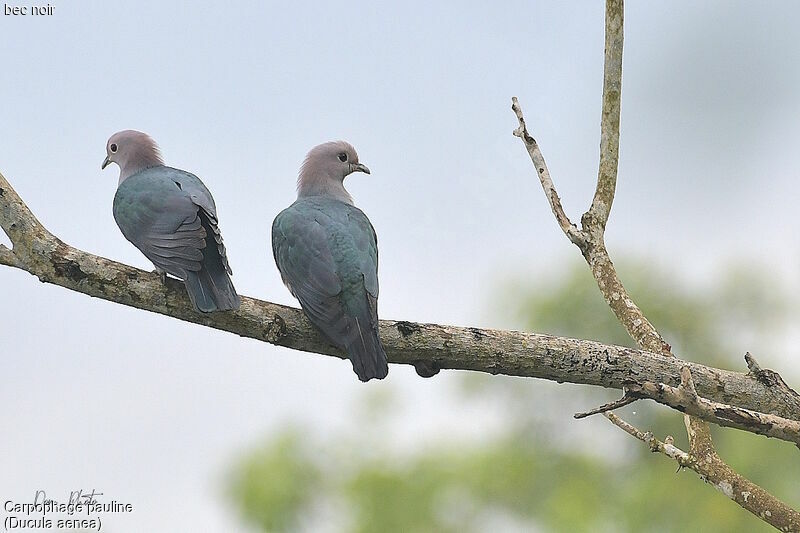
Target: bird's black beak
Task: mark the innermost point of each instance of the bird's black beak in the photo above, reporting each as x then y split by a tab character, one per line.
107	162
358	167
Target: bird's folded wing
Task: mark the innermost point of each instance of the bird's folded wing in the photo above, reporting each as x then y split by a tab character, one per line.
164	224
306	263
202	198
366	243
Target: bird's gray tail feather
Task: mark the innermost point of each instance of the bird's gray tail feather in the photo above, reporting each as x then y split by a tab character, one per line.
368	357
364	346
353	329
211	289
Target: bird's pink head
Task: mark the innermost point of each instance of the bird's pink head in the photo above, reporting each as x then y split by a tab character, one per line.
325	168
133	151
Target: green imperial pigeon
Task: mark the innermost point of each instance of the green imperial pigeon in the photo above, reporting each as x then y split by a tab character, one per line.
327	253
170	216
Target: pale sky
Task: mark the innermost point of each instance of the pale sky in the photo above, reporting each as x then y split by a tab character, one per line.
151	410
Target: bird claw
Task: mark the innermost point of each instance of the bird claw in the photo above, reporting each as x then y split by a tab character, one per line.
162	275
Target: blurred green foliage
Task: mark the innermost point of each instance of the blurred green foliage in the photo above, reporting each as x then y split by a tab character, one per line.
274	488
541	471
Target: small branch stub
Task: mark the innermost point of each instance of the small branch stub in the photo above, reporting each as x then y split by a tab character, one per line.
627	399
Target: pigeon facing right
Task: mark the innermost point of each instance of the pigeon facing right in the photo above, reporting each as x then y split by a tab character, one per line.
327	254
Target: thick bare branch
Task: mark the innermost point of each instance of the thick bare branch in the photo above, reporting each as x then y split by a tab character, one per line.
8	258
750	496
713	470
19	223
430	346
684	398
616	295
771	379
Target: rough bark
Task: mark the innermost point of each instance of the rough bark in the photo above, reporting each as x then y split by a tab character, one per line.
685	399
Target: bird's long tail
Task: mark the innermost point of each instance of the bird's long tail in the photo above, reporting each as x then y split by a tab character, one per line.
364	346
211	289
368	357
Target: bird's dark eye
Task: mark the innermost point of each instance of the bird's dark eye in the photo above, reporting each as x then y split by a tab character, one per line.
113	148
343	157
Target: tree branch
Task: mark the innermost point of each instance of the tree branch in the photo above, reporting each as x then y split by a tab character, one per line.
595	219
714	471
655	445
569	229
591	241
8	258
684	398
771	379
422	345
597	215
627	399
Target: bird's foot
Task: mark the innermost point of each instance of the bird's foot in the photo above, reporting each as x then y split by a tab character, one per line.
162	274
